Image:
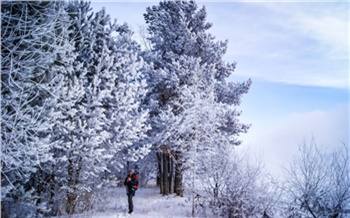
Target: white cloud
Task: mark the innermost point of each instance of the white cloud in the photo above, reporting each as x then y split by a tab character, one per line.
337	79
327	24
295	43
279	141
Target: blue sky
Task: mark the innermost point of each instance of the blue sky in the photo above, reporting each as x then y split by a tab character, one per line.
297	55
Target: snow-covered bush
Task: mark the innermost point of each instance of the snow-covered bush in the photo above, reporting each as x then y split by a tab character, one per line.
318	182
232	184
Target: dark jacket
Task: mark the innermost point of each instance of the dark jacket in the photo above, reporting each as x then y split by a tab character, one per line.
129	185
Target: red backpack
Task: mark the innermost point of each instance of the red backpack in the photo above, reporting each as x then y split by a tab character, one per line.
135	176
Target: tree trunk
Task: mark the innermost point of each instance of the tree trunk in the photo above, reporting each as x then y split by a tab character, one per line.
166	190
171	174
159	159
73	181
178	174
70	192
161	172
52	194
39	178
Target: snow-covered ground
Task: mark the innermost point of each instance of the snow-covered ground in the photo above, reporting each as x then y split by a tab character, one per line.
148	203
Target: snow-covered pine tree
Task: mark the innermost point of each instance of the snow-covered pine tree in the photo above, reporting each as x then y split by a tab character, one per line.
33	54
123	88
195	131
68	108
179	29
100	105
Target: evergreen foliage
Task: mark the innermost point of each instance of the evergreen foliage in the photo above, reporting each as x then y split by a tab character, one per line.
79	99
179	32
71	93
33	58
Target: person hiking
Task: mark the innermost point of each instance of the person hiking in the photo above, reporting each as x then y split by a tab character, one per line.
131	184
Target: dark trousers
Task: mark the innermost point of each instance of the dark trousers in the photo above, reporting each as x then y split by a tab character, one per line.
131	205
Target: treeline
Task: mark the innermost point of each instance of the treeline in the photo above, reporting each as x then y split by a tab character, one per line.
80	98
71	93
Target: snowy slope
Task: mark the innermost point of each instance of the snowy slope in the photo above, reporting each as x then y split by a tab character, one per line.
148	203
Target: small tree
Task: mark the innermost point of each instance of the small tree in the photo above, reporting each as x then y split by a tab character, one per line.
318	182
234	185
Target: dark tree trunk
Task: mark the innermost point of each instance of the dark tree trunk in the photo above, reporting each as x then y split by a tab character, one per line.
171	174
52	194
178	188
166	190
70	192
39	185
161	172
159	159
165	173
73	181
